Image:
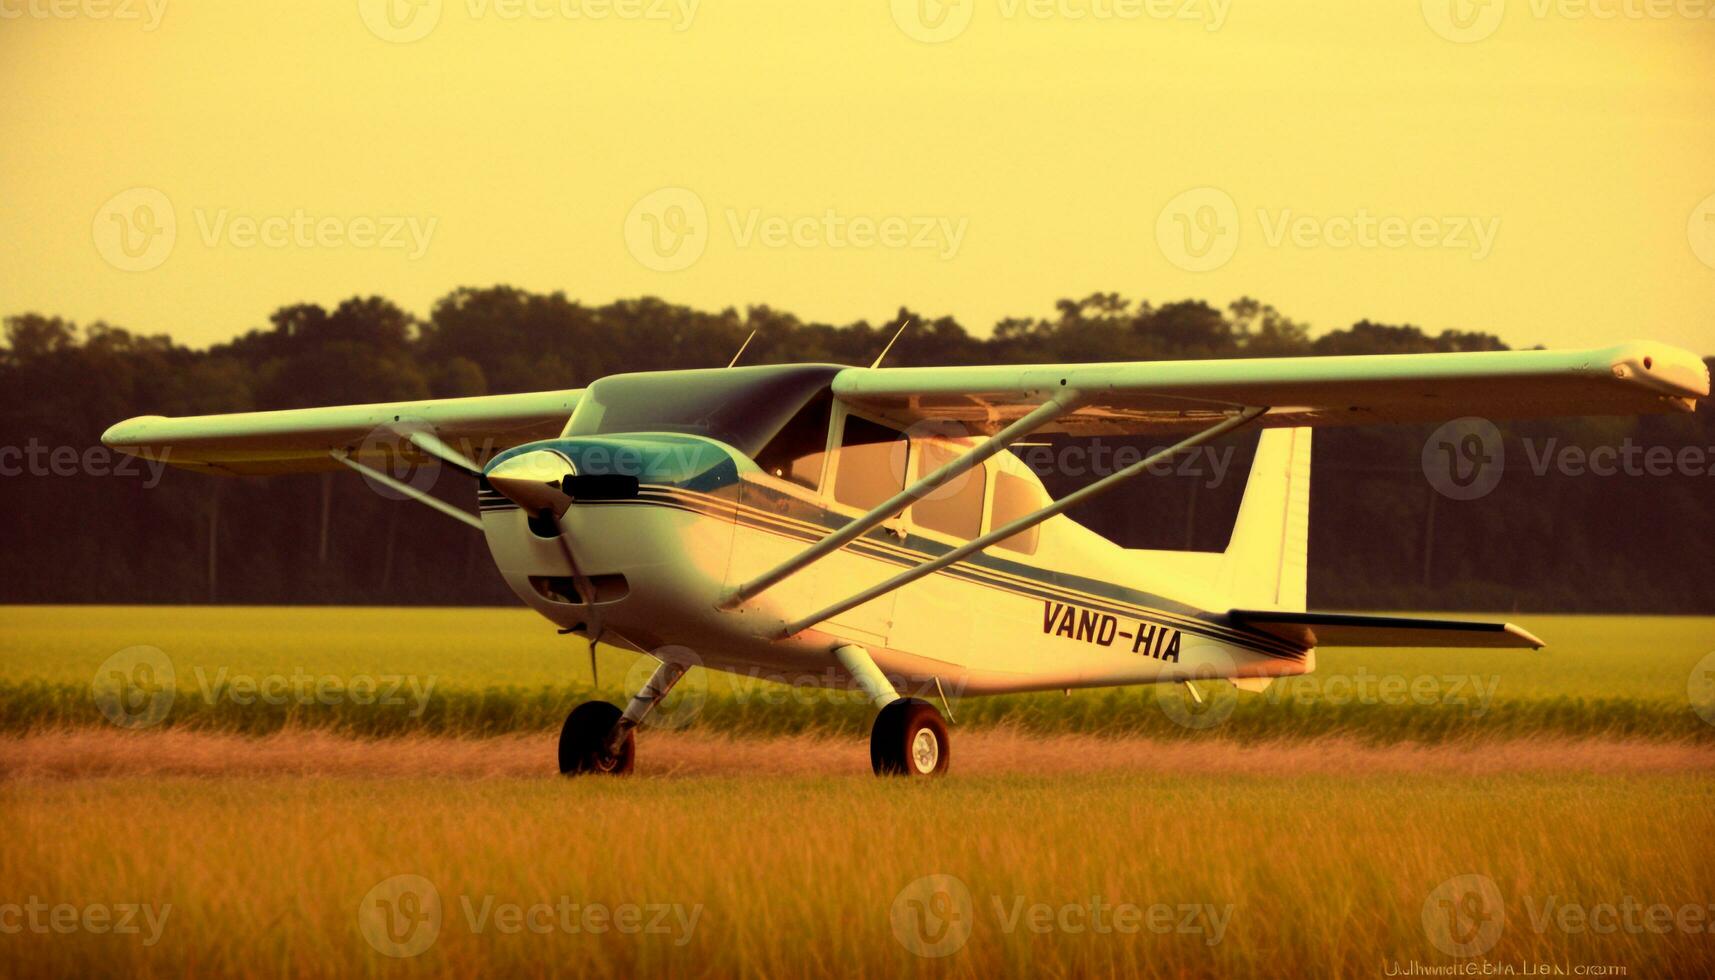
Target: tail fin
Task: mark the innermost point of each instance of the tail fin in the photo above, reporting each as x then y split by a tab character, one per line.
1264	564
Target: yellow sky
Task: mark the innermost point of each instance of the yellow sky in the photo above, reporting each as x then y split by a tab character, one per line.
1544	170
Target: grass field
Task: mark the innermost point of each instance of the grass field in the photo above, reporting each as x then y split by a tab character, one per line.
494	671
1506	812
1193	875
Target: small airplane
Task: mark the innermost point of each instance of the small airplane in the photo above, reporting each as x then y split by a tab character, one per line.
868	527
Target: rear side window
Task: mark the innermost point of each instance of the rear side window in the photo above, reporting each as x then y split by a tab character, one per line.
955	508
1015	497
871	466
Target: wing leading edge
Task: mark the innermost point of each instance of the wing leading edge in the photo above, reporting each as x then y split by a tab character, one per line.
305	439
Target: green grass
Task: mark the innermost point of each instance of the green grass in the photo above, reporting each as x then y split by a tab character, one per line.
490	671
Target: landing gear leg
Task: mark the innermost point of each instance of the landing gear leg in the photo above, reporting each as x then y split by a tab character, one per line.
909	737
599	739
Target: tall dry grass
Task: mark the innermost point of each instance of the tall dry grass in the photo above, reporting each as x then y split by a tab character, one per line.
1327	873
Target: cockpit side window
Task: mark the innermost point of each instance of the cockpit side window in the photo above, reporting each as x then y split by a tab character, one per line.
955	507
871	465
1016	497
798	451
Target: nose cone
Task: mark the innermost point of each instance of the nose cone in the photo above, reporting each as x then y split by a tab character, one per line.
532	480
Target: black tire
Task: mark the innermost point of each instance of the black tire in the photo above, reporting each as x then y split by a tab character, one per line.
583	739
909	739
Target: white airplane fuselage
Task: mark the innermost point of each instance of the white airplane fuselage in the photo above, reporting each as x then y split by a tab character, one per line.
1079	611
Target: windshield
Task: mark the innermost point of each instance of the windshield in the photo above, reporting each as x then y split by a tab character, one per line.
743	407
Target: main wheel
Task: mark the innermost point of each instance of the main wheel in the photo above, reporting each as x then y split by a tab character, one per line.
583	742
909	739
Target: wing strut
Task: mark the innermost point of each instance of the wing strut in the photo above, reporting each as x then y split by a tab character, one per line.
408	490
1066	400
1026	522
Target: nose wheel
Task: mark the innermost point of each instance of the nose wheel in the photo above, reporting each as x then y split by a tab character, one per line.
909	739
584	742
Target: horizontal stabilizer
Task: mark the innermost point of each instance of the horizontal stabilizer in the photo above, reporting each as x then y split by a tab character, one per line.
1313	629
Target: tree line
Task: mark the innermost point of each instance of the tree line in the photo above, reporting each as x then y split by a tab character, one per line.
87	526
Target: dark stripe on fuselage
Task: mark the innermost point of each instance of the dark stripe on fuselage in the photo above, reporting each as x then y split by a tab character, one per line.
1018	578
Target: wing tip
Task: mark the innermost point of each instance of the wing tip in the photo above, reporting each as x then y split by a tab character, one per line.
1530	639
129	433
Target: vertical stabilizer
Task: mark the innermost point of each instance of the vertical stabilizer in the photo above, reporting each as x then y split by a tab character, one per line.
1264	564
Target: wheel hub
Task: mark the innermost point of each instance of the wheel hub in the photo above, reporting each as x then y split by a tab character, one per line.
925	751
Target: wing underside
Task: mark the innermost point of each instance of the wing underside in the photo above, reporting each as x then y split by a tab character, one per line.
1174	396
308	439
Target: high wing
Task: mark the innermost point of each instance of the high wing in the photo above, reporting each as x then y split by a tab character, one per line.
309	439
1173	396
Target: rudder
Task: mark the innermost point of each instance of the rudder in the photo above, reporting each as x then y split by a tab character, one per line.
1264	566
